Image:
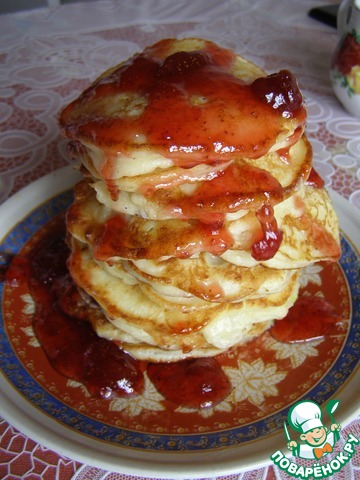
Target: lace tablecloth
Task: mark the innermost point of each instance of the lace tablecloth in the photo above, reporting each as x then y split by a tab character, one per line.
47	57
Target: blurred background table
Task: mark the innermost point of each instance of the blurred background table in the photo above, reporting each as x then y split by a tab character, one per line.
48	55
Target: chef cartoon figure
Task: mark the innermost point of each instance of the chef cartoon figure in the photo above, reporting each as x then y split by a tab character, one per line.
317	440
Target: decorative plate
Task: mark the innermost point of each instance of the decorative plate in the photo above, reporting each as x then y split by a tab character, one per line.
147	435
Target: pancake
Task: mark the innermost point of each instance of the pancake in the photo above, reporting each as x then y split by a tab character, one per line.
144	351
310	236
240	186
199	204
297	161
207	277
112	235
138	319
141	111
307	220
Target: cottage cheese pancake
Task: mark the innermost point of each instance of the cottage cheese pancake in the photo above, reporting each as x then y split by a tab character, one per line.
307	220
145	351
310	232
166	325
199	204
207	277
111	234
288	167
239	186
182	103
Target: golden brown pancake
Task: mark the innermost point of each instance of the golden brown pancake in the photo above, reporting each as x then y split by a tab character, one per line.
168	326
182	103
307	220
199	205
240	186
310	230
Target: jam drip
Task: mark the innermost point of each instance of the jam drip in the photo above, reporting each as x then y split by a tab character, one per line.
311	317
193	108
71	345
280	92
115	238
195	383
62	324
268	245
239	186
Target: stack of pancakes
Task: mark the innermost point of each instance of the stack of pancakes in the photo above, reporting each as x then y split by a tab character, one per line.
199	206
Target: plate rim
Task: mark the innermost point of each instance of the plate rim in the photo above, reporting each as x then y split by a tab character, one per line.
49	432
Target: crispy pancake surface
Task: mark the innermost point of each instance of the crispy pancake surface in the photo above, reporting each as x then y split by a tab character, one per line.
199	205
154	320
307	220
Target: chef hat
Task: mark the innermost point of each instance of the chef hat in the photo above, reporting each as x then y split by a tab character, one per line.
305	416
